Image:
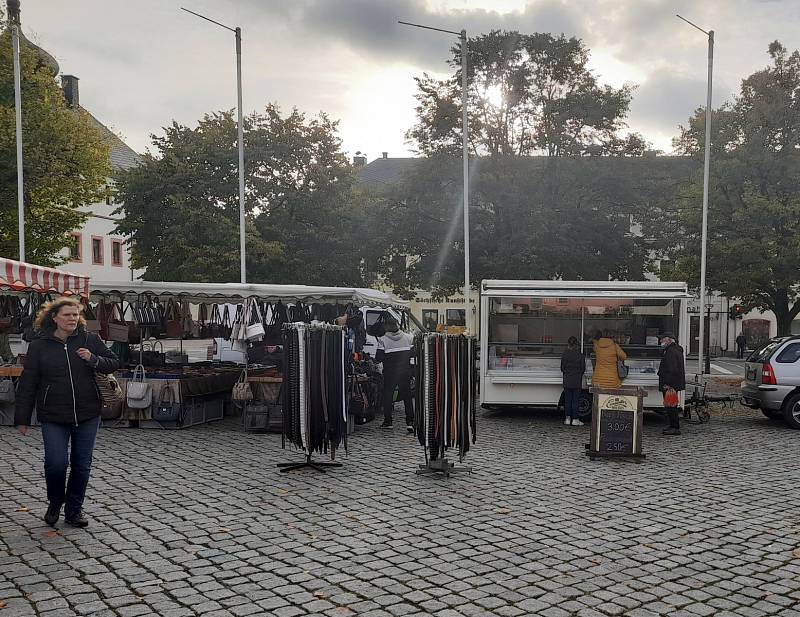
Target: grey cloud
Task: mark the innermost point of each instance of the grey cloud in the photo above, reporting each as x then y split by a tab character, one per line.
370	27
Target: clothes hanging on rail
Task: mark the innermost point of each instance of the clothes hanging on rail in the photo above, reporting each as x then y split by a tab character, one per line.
445	393
314	407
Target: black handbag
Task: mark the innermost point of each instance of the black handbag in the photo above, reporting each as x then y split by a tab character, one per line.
166	410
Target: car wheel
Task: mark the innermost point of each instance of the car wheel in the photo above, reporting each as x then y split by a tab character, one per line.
585	407
791	411
772	414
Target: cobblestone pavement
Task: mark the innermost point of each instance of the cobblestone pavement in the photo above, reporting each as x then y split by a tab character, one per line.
200	522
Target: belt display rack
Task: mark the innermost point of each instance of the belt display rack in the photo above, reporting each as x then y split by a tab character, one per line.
445	396
314	406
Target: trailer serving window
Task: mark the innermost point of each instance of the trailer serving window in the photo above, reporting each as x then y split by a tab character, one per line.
529	333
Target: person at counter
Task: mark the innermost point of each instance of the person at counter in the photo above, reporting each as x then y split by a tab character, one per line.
606	354
573	366
671	380
59	381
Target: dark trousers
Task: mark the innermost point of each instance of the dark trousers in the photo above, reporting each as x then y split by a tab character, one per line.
673	417
740	351
397	374
572	401
58	454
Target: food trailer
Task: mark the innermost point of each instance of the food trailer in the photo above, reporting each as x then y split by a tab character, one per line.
525	326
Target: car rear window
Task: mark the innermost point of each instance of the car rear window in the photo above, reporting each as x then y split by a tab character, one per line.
763	354
790	354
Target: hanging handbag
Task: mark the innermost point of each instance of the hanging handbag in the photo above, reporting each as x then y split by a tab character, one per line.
189	326
237	329
92	322
255	328
117	329
278	317
215	323
151	357
226	327
173	320
7	391
139	392
5	314
134	331
204	329
241	389
166	410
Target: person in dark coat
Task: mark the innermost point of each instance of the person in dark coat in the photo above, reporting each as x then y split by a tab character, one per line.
58	381
573	366
741	345
671	376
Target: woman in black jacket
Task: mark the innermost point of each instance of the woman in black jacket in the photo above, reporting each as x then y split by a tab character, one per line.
58	381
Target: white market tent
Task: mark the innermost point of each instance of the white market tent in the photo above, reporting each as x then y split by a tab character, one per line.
237	292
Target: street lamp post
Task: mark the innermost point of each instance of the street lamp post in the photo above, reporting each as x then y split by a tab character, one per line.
238	34
465	154
706	168
14	20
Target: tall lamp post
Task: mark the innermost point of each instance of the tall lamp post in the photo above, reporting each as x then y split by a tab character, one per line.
13	18
706	167
465	154
238	33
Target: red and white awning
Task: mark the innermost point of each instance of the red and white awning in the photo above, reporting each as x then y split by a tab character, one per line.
19	276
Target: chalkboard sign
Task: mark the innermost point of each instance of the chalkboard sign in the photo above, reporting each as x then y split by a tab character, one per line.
616	423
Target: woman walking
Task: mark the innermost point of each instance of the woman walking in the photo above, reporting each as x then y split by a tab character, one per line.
58	381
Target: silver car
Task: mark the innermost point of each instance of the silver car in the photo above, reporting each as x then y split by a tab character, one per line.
772	380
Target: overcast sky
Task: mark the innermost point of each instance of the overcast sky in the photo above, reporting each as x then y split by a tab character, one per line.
144	63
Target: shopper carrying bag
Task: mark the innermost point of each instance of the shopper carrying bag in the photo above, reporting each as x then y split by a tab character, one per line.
59	382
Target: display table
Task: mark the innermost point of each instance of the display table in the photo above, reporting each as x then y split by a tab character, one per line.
11	371
199	397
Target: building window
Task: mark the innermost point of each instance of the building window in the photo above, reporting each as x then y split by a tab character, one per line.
116	252
97	250
75	252
430	319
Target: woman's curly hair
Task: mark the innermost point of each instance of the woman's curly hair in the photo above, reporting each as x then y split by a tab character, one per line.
44	318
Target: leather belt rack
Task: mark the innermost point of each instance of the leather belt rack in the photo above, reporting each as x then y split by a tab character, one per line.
445	399
314	402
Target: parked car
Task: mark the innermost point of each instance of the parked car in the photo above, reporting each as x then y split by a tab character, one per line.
772	380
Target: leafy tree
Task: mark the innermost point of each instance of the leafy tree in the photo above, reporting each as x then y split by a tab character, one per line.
529	218
181	206
65	160
527	94
754	196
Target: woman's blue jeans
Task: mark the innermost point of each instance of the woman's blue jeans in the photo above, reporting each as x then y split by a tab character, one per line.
58	454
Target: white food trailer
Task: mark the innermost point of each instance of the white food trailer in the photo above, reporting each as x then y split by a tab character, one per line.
525	326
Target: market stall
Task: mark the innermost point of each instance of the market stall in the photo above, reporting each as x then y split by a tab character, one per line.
24	288
152	322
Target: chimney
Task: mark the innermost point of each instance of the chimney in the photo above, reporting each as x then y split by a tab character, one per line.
385	155
359	161
69	84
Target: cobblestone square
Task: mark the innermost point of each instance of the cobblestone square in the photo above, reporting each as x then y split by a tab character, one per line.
200	522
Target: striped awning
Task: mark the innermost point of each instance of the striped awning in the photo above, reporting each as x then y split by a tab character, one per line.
19	276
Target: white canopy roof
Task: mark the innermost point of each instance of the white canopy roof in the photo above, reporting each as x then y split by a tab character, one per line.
236	292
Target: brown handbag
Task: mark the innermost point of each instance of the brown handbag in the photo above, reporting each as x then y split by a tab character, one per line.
173	320
117	329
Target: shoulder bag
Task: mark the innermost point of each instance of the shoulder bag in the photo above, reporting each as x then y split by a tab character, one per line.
7	391
241	389
140	393
166	410
255	326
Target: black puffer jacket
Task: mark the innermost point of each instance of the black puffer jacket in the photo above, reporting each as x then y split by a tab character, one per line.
58	382
671	371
